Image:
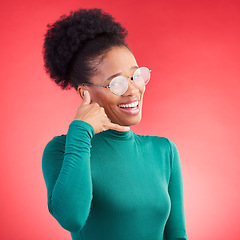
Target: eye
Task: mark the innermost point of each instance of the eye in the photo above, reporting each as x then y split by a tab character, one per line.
137	75
141	76
116	83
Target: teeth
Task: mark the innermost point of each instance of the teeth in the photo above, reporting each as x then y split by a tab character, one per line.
134	104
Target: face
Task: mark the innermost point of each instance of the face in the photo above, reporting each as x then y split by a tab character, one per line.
118	60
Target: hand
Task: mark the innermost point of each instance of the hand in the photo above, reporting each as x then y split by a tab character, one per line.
95	115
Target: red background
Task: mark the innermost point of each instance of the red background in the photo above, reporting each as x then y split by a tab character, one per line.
193	98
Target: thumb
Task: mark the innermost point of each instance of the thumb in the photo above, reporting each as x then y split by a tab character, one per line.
86	98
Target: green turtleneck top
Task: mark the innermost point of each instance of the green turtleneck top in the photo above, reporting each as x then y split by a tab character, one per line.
114	185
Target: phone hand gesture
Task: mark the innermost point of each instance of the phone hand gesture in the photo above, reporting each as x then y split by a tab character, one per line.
95	115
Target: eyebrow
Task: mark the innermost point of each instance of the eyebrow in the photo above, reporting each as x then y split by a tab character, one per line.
117	74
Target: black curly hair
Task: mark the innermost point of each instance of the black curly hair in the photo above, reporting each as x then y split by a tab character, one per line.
75	45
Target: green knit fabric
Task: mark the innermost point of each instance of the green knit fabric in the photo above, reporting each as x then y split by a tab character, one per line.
114	185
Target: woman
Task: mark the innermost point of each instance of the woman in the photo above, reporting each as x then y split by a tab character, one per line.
105	182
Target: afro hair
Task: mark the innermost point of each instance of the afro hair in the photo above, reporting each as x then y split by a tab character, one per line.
64	39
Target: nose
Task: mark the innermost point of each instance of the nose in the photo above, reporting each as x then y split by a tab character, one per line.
132	89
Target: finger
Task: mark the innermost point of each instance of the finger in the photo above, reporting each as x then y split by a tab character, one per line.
86	98
118	127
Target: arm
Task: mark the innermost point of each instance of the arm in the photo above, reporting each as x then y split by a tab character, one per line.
67	173
175	227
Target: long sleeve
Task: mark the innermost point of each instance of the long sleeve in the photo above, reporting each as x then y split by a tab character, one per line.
67	173
175	227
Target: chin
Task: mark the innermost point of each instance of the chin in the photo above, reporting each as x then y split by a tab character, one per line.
131	123
124	119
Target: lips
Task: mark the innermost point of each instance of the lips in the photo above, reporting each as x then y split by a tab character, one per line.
130	103
130	107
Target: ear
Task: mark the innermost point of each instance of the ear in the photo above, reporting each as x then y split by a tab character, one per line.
80	91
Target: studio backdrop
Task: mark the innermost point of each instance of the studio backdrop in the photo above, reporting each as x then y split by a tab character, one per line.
193	50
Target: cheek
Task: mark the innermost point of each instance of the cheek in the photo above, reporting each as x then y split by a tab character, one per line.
105	99
97	96
109	102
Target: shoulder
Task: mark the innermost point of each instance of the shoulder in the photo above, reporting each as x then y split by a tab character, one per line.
158	141
162	145
57	142
52	159
53	155
54	149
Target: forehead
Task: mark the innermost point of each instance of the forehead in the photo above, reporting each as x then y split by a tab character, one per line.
118	59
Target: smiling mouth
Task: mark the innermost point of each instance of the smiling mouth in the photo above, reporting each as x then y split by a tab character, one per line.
131	109
130	105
